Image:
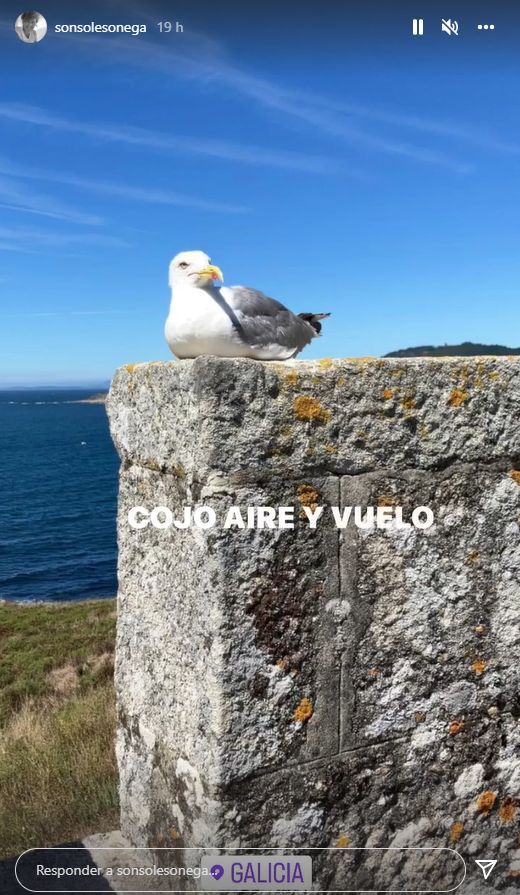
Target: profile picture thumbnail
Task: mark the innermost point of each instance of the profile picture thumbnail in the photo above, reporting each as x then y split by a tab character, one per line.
31	26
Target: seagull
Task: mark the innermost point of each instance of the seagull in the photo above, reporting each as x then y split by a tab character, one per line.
230	321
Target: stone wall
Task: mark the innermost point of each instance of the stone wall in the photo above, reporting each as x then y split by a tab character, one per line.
322	687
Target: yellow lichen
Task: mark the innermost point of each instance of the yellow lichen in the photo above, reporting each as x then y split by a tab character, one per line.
478	666
386	500
304	710
291	378
473	555
308	496
424	432
507	811
330	448
486	801
130	368
343	842
388	394
408	402
325	362
515	475
481	629
308	408
456	831
419	717
457	397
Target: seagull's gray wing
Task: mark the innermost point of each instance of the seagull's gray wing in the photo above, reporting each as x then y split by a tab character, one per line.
263	321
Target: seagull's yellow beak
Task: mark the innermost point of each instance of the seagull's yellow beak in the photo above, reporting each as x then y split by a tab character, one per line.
212	271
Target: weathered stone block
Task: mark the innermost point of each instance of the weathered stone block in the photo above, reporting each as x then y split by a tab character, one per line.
322	686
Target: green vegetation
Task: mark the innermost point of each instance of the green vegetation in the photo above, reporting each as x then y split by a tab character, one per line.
465	349
58	778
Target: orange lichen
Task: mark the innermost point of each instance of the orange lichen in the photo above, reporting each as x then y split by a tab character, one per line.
456	831
388	394
304	710
374	672
507	811
457	397
478	666
343	842
386	500
419	717
515	475
307	408
174	834
130	368
308	497
455	727
486	801
473	555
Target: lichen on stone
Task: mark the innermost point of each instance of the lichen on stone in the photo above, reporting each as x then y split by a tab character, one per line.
308	496
478	667
515	475
342	842
507	812
486	802
456	831
309	409
458	397
304	710
388	394
408	402
386	500
455	727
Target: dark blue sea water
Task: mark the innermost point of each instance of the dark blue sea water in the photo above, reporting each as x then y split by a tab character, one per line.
58	489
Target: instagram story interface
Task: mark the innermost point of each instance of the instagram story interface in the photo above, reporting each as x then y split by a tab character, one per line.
260	447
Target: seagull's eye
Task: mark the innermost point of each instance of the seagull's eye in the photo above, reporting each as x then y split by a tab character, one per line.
183	265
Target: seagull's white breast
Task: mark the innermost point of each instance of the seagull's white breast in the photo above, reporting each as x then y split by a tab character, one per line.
198	325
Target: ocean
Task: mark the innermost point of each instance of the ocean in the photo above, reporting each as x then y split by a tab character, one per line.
58	493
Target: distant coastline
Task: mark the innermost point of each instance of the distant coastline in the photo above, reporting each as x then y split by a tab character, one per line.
99	398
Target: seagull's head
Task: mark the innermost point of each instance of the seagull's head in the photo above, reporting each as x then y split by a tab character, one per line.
194	268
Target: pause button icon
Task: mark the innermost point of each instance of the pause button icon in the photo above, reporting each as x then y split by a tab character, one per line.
418	27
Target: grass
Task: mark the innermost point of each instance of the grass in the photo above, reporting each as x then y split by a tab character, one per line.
58	779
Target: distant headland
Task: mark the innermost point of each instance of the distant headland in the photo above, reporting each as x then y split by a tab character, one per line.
464	349
99	398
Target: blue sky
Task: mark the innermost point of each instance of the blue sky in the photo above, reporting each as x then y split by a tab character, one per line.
328	158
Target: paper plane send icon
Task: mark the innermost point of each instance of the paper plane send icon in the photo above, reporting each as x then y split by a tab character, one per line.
486	867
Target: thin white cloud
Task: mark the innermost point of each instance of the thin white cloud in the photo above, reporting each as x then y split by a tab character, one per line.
17	197
206	62
159	141
123	191
29	240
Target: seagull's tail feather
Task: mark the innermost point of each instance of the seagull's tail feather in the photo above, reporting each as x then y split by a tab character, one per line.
314	320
